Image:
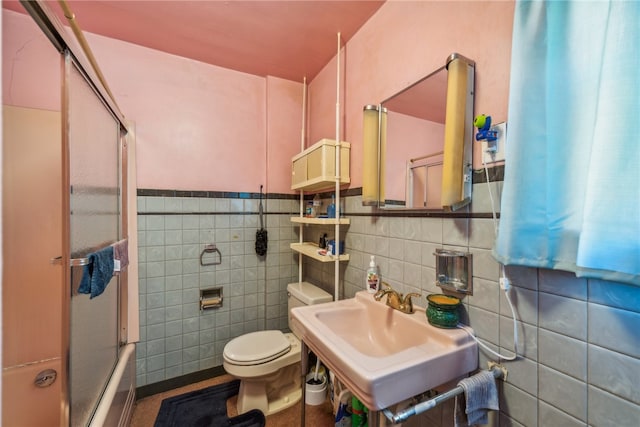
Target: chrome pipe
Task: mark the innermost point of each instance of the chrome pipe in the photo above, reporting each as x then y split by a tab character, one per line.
421	407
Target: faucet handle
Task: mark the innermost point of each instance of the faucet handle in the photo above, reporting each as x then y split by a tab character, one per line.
407	303
388	286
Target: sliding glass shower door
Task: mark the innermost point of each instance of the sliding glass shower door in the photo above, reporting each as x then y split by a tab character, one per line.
93	138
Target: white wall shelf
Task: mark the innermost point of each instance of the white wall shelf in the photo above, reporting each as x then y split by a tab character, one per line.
323	165
311	250
320	221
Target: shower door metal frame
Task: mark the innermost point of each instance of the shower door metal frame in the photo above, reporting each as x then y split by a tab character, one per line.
55	31
72	67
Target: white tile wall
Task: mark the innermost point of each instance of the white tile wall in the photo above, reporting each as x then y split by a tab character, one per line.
579	340
176	337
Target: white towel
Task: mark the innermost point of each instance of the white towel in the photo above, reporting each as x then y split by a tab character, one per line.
480	396
121	255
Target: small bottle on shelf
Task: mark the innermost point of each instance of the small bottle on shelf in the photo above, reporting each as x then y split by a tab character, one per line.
317	205
331	209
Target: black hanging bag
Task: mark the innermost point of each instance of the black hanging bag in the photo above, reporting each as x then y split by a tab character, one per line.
261	234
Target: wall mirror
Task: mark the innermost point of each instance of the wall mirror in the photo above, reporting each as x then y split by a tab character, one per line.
419	142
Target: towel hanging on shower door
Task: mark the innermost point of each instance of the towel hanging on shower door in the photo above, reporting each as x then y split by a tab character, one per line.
261	234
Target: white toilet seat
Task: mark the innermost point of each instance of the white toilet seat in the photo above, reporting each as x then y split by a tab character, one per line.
256	348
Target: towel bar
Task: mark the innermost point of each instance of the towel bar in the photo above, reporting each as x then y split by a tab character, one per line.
210	249
79	261
73	262
496	369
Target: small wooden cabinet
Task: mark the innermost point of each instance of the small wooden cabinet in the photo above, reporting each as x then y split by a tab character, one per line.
315	167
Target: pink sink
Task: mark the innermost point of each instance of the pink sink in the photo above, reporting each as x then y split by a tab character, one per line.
382	355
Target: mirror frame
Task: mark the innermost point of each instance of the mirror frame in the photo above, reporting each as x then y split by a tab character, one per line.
465	172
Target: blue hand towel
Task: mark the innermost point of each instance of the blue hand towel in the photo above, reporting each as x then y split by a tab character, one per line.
481	395
97	273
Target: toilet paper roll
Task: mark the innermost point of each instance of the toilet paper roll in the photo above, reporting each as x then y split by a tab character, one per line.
212	302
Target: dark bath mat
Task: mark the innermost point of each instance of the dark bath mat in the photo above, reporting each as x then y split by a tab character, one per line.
206	408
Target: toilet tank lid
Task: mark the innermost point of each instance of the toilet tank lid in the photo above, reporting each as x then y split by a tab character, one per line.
308	293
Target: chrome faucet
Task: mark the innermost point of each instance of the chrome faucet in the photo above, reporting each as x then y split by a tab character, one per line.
395	300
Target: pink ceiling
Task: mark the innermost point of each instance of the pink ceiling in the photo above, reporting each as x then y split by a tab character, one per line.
287	39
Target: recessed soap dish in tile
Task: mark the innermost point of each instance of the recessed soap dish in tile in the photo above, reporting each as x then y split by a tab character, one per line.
453	271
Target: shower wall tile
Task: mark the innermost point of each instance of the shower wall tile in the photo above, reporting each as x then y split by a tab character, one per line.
523	374
606	409
563	315
485	324
412	252
172	204
190	204
615	329
482	233
562	353
484	265
171	238
563	391
617	295
154	204
431	230
482	199
141	204
455	231
614	372
522	407
412	228
562	283
526	302
527	338
551	416
486	295
523	277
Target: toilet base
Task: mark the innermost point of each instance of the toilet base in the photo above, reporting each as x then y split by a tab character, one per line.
271	394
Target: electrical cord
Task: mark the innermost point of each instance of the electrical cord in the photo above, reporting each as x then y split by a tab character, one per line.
505	284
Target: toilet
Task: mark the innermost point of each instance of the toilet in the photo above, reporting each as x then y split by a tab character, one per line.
268	362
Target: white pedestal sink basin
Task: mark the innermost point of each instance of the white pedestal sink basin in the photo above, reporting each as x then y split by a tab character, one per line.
382	355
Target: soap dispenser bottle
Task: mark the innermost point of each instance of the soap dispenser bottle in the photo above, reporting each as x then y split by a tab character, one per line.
373	278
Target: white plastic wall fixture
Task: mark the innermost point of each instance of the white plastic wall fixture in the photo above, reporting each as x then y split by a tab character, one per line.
493	151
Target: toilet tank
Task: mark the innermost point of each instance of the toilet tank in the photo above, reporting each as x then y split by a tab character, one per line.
304	293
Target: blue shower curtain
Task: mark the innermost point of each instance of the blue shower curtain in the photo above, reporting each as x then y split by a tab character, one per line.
571	197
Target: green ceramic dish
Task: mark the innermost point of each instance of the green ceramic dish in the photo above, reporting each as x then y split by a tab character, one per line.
442	310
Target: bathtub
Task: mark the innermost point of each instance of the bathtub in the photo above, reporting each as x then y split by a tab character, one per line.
116	405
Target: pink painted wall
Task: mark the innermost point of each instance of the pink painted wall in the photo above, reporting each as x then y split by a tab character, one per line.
202	127
198	127
322	101
284	125
30	65
406	40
